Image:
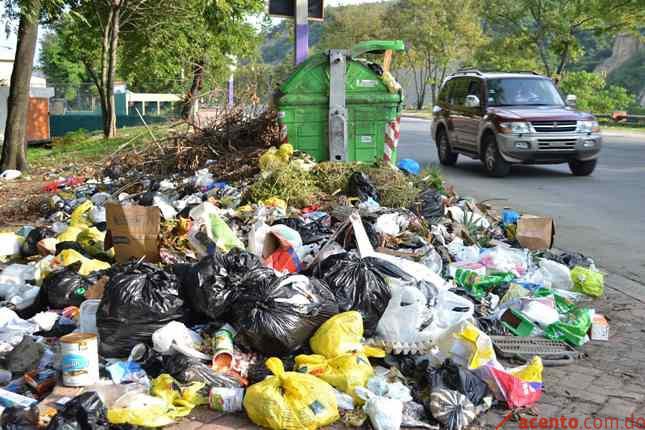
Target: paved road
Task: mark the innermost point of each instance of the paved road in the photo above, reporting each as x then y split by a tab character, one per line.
602	215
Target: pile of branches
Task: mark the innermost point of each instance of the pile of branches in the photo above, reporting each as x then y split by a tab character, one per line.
227	141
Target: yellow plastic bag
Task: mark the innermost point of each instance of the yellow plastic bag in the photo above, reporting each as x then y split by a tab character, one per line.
68	257
183	399
290	400
140	409
344	372
92	240
340	334
78	218
70	234
479	343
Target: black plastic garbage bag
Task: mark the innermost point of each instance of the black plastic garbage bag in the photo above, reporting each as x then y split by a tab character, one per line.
60	289
277	318
310	233
187	369
84	412
570	259
429	205
212	285
360	284
138	299
457	396
17	418
360	186
29	247
347	237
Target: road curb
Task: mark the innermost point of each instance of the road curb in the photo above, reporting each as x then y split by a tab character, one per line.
630	288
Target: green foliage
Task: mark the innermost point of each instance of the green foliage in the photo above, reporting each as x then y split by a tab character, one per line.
346	26
553	28
72	138
290	183
593	93
431	177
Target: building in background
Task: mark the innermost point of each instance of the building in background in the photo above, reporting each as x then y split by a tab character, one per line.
39	95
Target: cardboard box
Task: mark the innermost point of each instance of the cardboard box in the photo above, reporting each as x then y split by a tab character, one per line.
599	327
133	231
535	233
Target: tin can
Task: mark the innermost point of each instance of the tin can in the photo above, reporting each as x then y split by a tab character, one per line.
223	348
80	359
223	399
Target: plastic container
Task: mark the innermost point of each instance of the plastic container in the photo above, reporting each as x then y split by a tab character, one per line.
80	359
88	316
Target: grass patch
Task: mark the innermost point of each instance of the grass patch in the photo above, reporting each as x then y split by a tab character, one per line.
424	113
81	147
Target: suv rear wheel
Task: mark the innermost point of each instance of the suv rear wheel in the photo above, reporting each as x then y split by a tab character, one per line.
446	156
494	164
582	168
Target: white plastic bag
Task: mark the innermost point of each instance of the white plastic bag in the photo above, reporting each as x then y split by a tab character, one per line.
10	175
384	413
403	316
449	311
391	224
504	259
258	233
557	273
175	336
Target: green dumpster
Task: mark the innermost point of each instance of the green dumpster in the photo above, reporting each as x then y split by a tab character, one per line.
339	106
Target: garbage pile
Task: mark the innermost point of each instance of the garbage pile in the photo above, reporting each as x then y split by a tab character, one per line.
188	291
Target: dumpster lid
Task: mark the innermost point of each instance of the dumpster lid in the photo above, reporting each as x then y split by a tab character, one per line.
376	47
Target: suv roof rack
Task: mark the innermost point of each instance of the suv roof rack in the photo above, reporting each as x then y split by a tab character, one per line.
533	72
466	71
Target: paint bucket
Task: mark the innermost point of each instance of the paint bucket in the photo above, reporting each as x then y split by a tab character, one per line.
80	359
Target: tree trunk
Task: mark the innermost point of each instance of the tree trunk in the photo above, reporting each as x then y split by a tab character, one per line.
109	48
14	148
191	105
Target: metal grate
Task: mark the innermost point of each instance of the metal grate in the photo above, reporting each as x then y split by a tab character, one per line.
552	352
557	143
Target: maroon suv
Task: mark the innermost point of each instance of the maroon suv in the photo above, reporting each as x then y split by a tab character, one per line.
512	118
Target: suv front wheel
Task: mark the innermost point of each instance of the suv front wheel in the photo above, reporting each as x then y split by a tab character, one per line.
494	164
446	156
582	168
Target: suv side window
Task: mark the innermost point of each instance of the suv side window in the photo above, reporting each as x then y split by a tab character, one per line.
459	91
474	88
445	90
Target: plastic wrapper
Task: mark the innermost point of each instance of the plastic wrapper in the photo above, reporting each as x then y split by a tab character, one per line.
360	284
360	186
466	345
84	412
477	286
572	328
290	400
278	316
519	387
588	281
138	300
212	285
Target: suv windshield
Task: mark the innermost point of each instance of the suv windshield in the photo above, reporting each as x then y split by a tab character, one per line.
522	91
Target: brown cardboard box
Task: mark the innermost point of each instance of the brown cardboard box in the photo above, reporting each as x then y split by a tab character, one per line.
134	232
535	233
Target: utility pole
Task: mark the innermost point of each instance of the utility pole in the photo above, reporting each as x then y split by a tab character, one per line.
302	30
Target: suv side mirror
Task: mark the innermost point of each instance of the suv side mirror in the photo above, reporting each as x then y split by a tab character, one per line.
472	101
571	100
